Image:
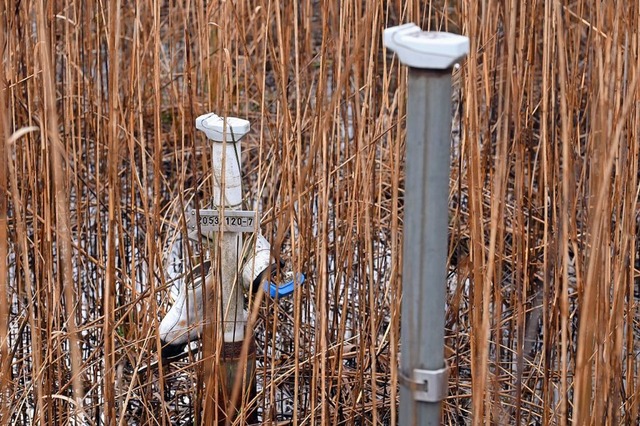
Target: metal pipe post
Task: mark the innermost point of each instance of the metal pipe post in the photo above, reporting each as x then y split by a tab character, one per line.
425	236
423	371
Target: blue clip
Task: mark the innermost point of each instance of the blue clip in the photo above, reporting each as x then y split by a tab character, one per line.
283	290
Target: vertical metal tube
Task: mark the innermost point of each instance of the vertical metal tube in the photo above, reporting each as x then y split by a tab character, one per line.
425	235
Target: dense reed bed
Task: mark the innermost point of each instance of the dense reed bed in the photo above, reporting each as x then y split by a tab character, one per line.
100	159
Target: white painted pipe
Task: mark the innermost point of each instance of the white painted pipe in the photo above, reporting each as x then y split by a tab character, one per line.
226	151
183	322
258	260
225	136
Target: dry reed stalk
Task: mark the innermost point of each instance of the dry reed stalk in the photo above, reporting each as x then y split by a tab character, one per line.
113	161
557	230
5	361
64	279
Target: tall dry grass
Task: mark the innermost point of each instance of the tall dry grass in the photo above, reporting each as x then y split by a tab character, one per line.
549	164
100	159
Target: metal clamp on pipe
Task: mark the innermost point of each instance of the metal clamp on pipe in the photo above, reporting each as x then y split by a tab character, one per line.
427	385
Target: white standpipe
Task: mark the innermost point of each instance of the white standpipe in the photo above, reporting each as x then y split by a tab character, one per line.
227	195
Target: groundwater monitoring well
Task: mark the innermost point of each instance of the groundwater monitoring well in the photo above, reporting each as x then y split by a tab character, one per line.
240	267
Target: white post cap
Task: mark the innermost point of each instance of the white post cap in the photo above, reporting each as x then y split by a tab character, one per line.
425	49
214	127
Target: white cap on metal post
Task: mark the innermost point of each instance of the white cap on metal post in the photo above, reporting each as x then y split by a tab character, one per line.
425	49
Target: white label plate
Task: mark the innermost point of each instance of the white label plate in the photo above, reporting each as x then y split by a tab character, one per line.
234	220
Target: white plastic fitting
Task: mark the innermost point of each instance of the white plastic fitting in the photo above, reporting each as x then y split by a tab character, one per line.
257	261
183	322
425	49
